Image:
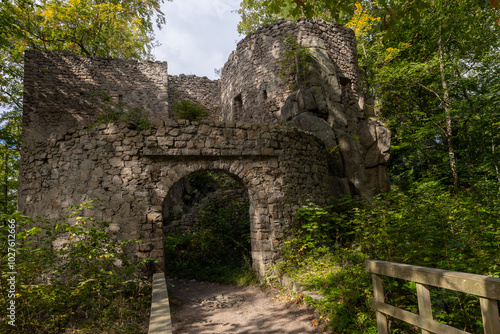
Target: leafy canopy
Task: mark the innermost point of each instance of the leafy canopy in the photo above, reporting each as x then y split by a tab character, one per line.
115	28
86	27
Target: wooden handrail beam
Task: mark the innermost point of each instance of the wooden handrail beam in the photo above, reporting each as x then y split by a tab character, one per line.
160	321
482	286
414	319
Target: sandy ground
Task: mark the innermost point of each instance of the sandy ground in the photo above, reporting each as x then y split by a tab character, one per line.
256	312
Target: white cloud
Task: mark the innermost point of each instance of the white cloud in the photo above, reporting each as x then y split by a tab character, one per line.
198	35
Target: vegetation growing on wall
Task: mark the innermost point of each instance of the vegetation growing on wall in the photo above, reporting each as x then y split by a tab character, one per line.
72	276
113	112
294	61
191	111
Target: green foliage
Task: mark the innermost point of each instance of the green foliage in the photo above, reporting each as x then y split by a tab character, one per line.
121	29
317	231
10	145
217	248
430	70
191	111
113	112
430	74
294	61
256	13
73	275
427	225
87	27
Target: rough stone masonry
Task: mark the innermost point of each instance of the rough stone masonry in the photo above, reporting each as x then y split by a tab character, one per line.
284	140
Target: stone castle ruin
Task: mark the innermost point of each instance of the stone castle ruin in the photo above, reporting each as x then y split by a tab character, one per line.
286	133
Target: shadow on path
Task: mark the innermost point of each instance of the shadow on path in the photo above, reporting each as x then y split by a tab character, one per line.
258	313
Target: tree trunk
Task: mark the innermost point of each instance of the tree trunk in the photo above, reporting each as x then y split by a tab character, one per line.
447	111
494	162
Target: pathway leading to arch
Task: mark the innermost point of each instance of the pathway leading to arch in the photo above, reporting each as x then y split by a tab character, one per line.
253	311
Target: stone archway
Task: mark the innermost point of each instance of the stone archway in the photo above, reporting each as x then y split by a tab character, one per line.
248	172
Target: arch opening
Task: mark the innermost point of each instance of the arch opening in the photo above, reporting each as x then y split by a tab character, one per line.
206	225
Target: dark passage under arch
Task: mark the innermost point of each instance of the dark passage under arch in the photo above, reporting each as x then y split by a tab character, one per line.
206	223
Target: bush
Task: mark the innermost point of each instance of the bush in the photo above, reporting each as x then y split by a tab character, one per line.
190	111
426	225
218	248
113	112
73	275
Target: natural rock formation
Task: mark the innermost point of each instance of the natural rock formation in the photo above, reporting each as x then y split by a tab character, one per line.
325	102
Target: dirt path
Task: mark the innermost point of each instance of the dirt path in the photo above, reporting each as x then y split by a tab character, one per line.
203	307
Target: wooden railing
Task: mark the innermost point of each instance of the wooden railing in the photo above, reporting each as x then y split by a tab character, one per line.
486	288
160	321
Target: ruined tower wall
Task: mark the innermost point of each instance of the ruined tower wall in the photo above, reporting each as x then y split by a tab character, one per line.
65	91
305	74
251	86
199	90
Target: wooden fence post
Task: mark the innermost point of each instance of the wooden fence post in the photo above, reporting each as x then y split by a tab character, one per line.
378	294
424	303
489	311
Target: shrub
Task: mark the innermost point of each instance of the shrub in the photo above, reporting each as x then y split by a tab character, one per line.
114	112
73	275
190	111
427	225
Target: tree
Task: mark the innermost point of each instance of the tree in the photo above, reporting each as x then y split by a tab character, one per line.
255	13
113	28
428	67
10	135
432	91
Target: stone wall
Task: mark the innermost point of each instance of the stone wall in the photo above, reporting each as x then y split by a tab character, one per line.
65	91
132	172
199	90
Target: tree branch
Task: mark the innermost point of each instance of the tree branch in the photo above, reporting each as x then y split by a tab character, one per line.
430	90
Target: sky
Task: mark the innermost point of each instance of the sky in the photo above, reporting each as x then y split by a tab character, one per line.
198	35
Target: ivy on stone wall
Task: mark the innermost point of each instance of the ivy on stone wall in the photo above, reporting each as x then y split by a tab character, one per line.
294	61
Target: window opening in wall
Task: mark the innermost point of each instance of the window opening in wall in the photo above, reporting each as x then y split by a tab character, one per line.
238	105
207	229
345	84
264	94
